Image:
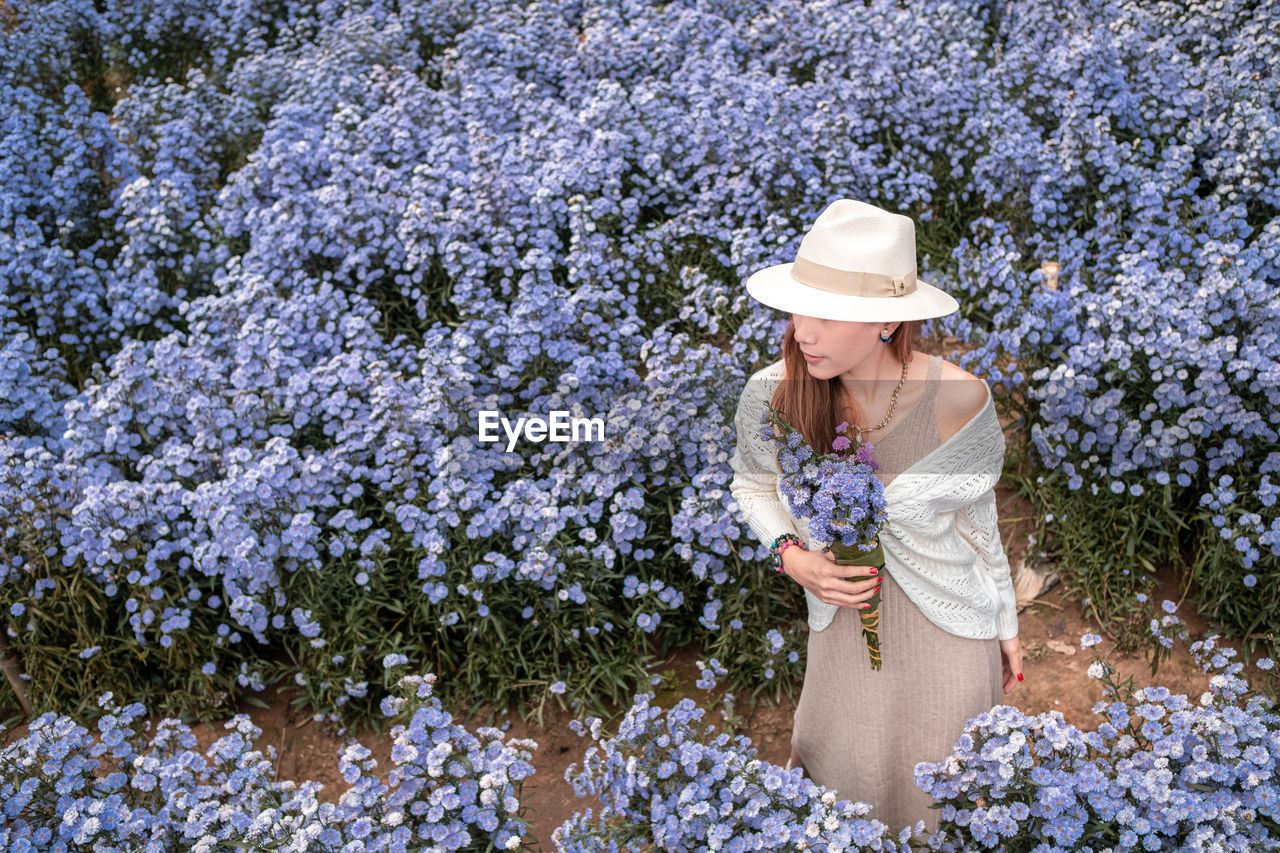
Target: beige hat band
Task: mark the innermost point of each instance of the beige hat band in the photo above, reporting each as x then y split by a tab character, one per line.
850	283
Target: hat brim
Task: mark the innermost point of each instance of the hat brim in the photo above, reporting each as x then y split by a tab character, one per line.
774	286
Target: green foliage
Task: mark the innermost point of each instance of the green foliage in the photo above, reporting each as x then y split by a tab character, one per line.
1241	600
766	600
1108	547
69	633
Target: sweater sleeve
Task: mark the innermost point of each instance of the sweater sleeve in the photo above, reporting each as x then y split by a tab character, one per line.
978	525
755	470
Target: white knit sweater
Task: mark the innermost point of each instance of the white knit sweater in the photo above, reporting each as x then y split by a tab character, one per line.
940	538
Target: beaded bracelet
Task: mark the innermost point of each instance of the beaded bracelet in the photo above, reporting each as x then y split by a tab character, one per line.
781	544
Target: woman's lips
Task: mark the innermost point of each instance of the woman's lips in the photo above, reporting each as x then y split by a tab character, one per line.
812	359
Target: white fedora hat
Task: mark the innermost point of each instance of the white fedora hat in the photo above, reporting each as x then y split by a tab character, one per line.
858	263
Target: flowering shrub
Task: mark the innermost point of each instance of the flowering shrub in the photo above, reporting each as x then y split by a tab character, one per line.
1135	145
262	266
54	248
1159	772
282	443
667	781
123	788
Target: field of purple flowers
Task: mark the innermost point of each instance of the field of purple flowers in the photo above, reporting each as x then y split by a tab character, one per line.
262	265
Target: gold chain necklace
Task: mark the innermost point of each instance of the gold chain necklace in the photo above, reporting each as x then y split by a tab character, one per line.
893	401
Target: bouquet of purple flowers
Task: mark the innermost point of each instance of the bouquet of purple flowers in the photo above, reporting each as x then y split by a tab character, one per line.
842	498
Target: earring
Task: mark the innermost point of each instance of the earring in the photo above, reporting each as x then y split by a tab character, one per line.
885	337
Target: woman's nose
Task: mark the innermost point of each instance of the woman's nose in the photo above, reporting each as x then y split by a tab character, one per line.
804	328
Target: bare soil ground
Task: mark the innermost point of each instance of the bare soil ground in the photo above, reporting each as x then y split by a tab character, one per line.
1055	680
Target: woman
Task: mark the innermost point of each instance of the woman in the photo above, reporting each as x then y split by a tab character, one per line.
948	614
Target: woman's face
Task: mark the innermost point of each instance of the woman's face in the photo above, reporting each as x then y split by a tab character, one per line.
833	347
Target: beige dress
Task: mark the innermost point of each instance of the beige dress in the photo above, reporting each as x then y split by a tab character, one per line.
861	732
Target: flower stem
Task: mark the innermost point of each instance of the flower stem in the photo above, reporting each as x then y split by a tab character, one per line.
851	555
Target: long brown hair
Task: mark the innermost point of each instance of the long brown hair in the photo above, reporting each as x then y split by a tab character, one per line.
813	405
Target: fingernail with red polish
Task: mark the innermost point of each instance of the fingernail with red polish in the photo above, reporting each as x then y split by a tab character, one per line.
1019	676
873	571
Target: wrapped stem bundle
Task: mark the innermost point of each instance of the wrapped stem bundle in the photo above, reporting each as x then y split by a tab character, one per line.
855	556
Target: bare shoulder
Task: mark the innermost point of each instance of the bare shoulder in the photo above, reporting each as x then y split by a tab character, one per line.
961	396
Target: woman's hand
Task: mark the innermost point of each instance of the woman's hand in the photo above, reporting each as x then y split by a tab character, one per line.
817	572
1011	653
